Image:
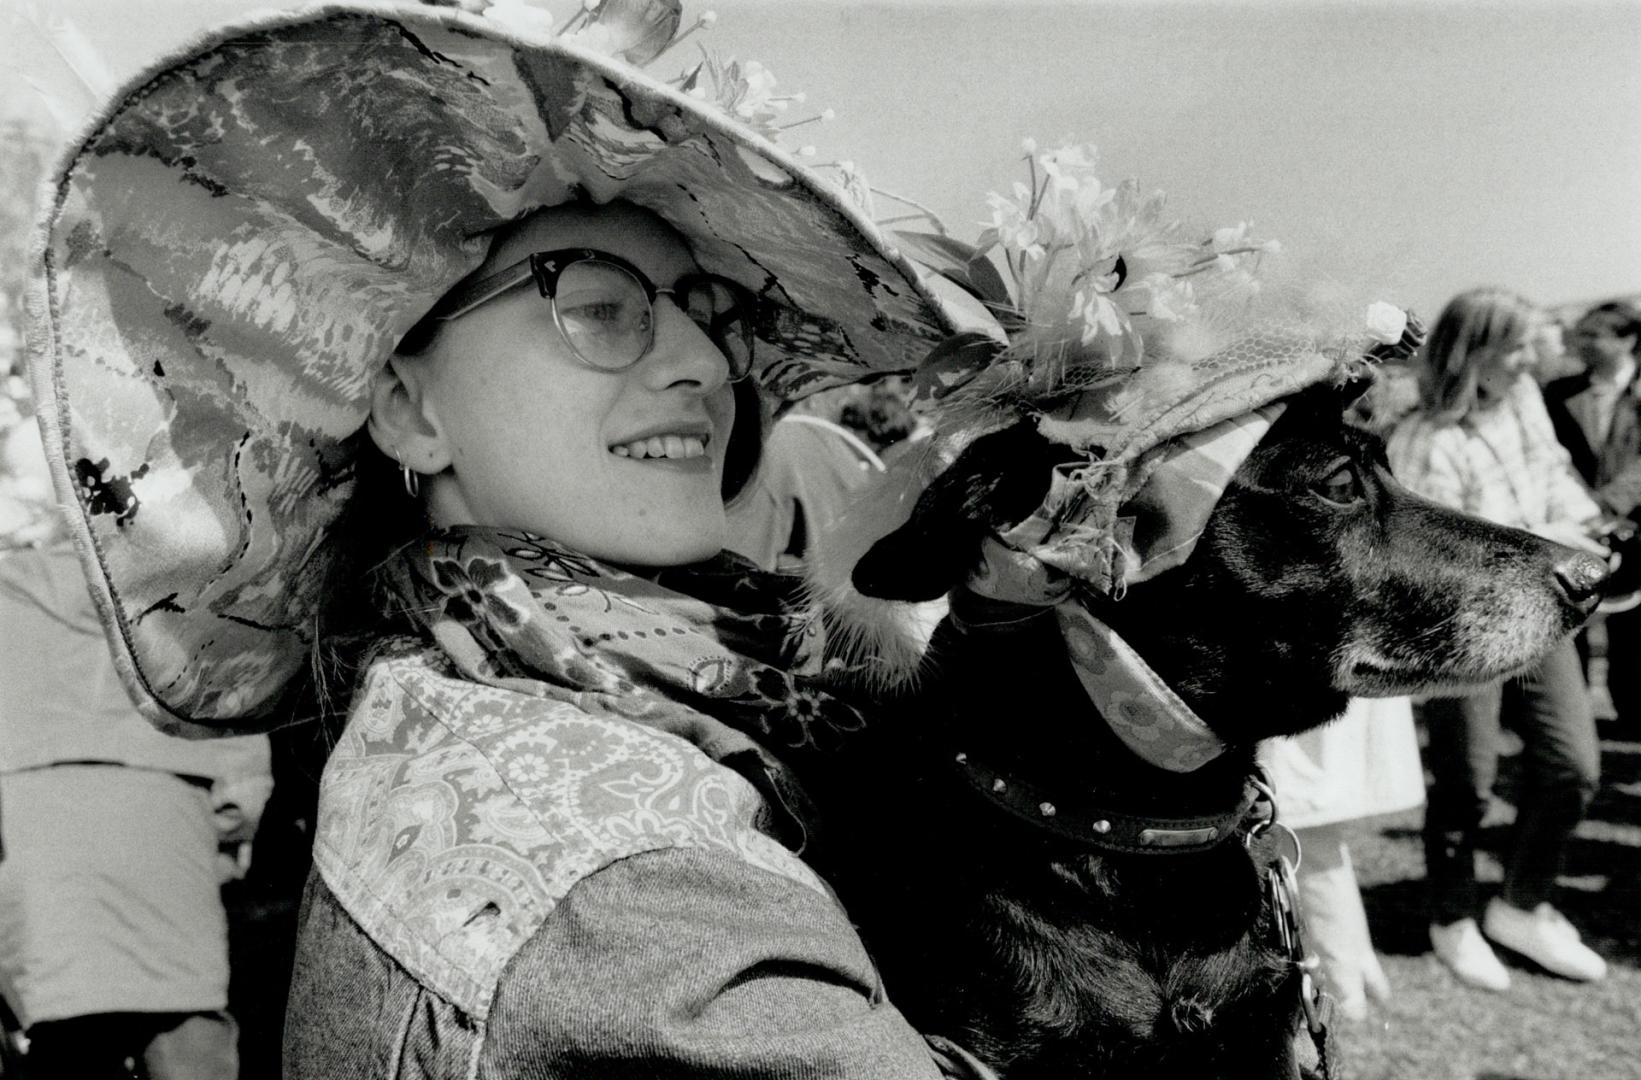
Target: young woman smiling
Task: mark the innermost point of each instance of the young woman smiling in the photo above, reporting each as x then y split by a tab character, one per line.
430	344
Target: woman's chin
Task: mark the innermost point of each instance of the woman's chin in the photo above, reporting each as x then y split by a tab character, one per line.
677	545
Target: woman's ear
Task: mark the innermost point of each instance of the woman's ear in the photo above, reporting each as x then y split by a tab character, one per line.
402	422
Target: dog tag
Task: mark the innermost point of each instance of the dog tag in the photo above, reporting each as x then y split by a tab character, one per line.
1167	838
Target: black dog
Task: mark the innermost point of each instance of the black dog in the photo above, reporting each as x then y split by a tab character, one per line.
1034	936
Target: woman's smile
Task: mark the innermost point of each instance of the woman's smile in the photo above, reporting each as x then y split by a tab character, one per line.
673	442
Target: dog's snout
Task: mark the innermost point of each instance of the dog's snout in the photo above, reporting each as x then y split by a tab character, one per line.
1581	576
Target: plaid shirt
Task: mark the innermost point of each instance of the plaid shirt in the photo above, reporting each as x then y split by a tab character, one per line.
1501	463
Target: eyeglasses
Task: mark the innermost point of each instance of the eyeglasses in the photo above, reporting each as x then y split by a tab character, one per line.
605	306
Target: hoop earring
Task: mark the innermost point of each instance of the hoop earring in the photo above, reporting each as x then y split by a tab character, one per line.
412	479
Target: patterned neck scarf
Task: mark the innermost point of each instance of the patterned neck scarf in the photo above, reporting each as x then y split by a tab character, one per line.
716	652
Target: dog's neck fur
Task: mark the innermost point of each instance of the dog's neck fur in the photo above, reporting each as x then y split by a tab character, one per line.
1009	698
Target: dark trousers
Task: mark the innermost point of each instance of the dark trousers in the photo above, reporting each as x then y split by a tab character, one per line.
1624	665
1549	707
158	1046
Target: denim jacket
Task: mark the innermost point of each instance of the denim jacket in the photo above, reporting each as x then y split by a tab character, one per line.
510	887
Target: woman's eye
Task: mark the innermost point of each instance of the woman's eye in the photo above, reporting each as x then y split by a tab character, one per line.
1342	486
596	312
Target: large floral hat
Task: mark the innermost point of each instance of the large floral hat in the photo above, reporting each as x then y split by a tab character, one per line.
239	239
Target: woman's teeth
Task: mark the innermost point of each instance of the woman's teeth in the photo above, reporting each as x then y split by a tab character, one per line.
663	446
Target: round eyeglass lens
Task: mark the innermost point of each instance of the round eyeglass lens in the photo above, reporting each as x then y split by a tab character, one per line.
604	314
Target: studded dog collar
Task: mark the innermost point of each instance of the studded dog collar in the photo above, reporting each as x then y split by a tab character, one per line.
1092	825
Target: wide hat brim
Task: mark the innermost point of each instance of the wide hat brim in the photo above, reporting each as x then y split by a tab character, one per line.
231	252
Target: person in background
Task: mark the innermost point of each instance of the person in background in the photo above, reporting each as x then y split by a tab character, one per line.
1363	765
1597	417
1481	442
880	413
117	839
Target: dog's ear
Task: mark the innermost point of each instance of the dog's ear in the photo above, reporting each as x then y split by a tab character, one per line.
994	483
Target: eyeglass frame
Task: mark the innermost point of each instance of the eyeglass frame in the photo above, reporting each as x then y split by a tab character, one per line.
546	267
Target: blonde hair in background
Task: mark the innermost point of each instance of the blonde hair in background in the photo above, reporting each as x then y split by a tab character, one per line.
1473	329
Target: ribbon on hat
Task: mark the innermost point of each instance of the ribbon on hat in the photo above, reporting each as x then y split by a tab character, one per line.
1162	523
1156	531
1113	546
1131	427
1135	702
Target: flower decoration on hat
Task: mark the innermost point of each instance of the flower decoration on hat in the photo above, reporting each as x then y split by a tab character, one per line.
640	32
1136	343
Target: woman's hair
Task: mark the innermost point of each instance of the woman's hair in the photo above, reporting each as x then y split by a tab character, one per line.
744	452
378	521
1475	328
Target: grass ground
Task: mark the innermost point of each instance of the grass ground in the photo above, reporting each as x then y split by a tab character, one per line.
1544	1028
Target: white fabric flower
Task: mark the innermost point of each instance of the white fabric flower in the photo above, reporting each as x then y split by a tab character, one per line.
1170	299
1068	167
758	92
1385	322
1015	230
1098	314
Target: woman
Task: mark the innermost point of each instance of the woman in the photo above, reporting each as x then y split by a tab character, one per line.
1482	442
437	332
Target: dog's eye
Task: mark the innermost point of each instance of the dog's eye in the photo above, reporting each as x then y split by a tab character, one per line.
1342	487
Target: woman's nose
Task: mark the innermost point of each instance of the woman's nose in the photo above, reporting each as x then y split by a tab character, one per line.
682	352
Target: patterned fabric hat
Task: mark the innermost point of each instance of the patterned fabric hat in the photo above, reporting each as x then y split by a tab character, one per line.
1155	355
231	252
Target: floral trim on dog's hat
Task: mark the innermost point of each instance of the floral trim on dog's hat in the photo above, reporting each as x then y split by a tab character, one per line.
1145	349
232	251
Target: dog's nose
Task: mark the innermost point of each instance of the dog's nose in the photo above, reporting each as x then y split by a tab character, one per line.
1581	576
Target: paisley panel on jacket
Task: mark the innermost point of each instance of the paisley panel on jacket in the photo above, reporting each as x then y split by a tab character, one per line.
454	816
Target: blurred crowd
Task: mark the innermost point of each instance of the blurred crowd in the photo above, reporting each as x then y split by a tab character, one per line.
132	859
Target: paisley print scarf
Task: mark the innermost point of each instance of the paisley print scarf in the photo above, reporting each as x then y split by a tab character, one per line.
717	652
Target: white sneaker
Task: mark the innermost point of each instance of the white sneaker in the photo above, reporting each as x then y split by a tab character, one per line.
1462	948
1545	937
